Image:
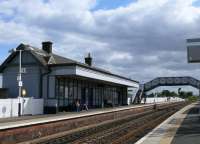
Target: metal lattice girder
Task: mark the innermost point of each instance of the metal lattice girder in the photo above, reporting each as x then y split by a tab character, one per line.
171	81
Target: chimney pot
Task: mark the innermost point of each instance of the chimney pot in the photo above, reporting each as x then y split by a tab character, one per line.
47	46
88	60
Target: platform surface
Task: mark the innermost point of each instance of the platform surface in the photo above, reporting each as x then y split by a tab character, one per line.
181	128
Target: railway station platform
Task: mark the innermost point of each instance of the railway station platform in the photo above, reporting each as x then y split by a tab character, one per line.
183	127
9	123
40	127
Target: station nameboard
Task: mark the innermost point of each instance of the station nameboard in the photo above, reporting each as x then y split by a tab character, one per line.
193	50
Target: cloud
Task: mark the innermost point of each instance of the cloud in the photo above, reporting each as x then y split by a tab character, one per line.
142	40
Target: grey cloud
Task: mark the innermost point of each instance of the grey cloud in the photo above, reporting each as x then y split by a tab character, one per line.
150	35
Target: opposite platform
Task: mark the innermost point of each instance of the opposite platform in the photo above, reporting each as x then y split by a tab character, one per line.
33	120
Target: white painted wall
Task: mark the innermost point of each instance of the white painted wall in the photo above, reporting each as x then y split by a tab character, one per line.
132	93
33	106
105	77
80	71
129	101
162	99
9	107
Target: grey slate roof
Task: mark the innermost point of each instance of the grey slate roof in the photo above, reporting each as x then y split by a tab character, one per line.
43	57
50	60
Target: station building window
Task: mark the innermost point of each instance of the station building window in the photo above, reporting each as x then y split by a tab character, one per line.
68	90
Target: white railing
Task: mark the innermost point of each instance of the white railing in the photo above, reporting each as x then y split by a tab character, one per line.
162	99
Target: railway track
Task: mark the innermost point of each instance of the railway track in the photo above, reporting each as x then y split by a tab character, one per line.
124	130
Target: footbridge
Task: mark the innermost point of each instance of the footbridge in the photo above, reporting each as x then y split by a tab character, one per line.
165	81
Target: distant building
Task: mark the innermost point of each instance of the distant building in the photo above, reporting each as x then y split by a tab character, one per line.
61	81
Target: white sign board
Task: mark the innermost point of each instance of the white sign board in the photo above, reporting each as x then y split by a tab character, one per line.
9	107
20	83
193	50
193	54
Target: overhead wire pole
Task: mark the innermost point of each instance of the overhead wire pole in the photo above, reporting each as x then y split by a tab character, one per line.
193	50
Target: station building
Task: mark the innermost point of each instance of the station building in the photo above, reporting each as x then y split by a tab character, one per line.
60	81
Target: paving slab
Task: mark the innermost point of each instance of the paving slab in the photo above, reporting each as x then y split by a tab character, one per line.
183	127
189	131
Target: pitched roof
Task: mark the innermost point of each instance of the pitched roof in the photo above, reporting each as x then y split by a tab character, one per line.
49	60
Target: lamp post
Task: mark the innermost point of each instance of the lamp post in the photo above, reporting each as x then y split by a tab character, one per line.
19	79
20	83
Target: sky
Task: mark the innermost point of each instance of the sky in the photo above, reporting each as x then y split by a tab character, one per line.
139	39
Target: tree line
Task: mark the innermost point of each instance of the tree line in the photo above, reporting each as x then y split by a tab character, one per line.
167	93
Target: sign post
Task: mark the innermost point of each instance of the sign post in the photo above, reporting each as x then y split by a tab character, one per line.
193	51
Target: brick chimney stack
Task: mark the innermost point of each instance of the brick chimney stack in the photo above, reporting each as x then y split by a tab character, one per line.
88	60
47	46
